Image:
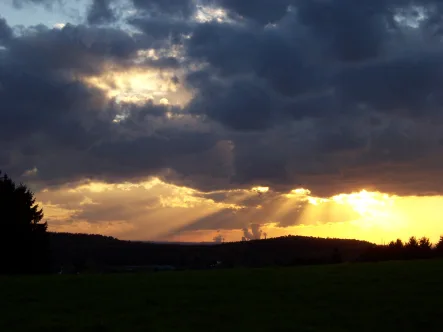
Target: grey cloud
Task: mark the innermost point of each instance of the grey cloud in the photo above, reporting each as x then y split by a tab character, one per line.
298	56
262	164
166	62
65	129
405	84
331	161
272	54
5	31
162	29
74	48
100	12
242	104
319	105
118	159
36	104
341	139
153	152
263	11
310	100
183	8
225	46
351	31
324	62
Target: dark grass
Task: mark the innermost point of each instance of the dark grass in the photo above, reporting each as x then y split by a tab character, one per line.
392	296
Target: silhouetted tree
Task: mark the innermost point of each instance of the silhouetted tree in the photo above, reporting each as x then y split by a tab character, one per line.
399	244
412	248
24	244
425	244
395	250
412	243
439	246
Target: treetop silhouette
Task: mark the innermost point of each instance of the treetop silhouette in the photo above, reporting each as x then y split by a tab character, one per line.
23	239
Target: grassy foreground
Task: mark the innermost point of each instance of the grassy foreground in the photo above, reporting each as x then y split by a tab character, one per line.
393	296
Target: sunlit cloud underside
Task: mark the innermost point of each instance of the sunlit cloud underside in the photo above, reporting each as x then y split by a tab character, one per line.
155	210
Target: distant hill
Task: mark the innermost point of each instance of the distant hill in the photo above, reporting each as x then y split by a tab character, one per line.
180	243
101	252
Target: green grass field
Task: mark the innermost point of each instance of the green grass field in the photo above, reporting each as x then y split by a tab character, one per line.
393	296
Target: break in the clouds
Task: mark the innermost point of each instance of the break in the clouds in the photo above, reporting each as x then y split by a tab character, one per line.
330	95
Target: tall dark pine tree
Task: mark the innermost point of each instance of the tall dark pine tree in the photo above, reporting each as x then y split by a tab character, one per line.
24	242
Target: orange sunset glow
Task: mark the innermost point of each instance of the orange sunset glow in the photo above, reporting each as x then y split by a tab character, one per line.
162	209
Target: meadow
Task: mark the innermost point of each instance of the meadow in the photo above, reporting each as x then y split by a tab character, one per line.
388	296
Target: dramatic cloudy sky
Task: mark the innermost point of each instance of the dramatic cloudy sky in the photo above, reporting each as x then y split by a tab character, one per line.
194	120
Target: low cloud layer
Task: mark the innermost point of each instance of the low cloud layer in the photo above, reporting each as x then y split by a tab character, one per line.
334	96
159	211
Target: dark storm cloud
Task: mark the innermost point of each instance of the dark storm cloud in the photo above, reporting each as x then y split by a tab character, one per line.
33	103
242	104
407	84
55	122
328	62
37	92
350	30
162	28
183	8
263	11
274	54
100	12
5	31
79	49
151	154
166	62
334	95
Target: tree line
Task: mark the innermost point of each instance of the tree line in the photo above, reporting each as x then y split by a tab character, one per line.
414	248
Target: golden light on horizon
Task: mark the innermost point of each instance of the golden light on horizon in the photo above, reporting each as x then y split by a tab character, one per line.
368	204
373	208
379	217
152	203
364	215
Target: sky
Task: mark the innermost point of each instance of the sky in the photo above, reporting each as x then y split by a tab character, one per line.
222	120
